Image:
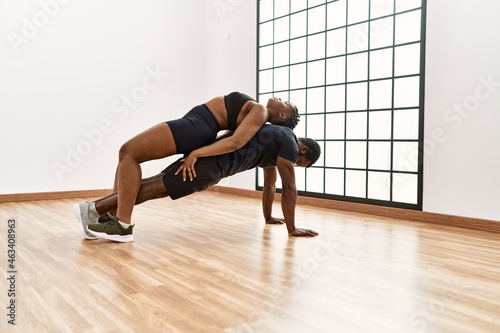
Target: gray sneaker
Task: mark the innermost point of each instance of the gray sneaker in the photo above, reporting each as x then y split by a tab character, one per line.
112	230
82	215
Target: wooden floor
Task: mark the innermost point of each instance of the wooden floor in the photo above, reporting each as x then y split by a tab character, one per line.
207	263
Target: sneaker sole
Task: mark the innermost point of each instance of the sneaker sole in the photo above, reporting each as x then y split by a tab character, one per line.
115	238
76	209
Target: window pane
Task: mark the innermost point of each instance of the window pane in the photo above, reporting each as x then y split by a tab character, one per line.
334	155
355	183
297	5
300	129
266	81
315	100
320	163
316	73
281	8
379	156
300	179
335	70
380	8
266	33
357	95
313	3
335	126
283	95
381	94
281	52
381	64
316	19
406	92
266	10
381	33
298	26
316	47
356	155
281	29
402	5
408	27
266	57
356	123
260	177
316	127
357	38
336	14
406	124
405	188
298	76
298	97
380	125
405	156
263	98
334	182
357	11
315	180
336	42
281	78
379	185
335	98
357	67
298	50
407	60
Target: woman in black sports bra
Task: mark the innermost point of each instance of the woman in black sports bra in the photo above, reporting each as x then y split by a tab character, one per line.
194	134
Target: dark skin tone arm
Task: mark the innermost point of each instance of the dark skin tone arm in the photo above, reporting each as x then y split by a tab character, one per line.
288	197
268	192
253	121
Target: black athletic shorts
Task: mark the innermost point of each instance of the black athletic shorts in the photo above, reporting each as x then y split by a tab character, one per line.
196	129
208	173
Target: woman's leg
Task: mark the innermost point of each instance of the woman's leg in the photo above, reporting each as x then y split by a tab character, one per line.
154	143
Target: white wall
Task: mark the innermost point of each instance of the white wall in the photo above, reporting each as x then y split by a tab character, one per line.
231	58
79	78
65	79
462	110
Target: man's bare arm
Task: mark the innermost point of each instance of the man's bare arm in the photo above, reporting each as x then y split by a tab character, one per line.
270	176
289	198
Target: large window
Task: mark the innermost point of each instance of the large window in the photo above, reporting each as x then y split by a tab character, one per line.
355	70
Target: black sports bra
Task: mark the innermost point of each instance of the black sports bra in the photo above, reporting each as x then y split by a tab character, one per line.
234	103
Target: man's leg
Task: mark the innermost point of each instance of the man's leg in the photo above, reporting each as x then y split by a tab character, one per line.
114	194
151	188
165	184
115	230
88	212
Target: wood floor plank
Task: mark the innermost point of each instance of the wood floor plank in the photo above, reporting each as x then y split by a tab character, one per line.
208	263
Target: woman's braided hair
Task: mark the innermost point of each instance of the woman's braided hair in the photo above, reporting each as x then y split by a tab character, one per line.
294	119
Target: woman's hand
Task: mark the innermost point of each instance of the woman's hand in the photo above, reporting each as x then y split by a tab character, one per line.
187	167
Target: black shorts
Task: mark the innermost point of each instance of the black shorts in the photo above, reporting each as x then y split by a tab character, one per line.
208	173
196	129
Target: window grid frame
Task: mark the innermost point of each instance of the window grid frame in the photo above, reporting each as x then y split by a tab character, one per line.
392	173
